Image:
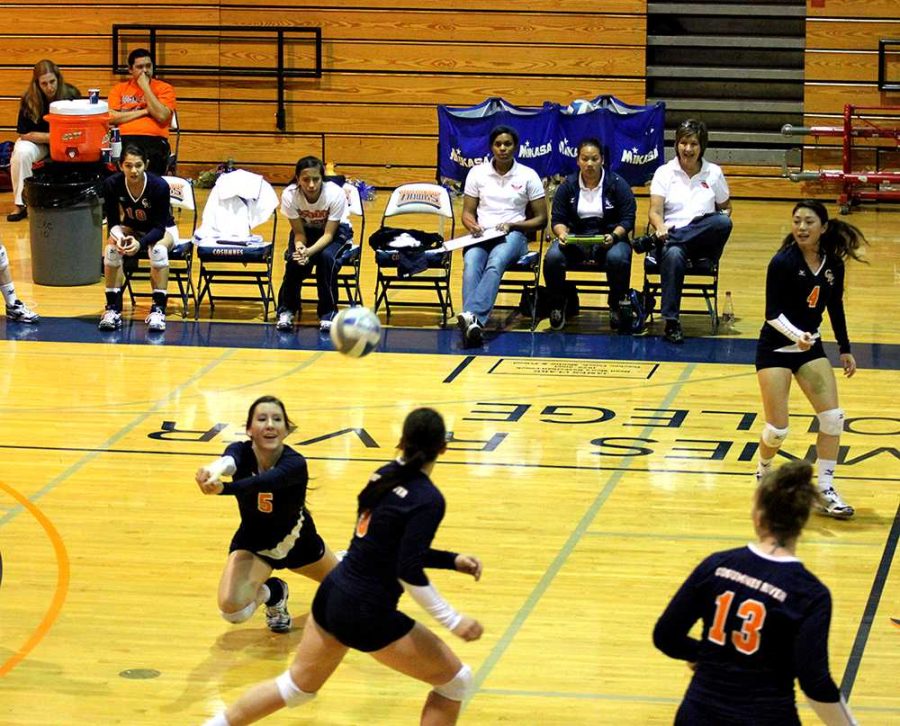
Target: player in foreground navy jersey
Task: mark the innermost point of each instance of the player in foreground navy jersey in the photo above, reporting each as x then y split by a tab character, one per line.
277	531
805	278
399	512
765	621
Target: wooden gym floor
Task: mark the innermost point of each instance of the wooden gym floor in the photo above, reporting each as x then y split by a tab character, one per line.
591	472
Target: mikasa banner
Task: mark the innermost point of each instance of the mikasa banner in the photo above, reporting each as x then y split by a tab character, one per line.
632	136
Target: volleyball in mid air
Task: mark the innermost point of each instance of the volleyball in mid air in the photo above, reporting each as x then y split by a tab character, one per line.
356	332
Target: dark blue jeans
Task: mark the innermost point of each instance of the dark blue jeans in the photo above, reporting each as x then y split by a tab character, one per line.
326	264
616	261
701	238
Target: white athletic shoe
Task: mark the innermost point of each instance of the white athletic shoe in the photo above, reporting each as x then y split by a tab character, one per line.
277	616
325	323
831	505
156	321
111	320
285	321
761	470
21	312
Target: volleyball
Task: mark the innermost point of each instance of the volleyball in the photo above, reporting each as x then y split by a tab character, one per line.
356	332
579	106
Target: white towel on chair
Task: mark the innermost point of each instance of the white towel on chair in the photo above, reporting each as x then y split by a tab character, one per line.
235	215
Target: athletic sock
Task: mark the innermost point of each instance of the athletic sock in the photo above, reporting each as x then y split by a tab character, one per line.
826	474
160	297
276	591
9	293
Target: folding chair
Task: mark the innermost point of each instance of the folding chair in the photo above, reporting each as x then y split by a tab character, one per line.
522	278
419	199
181	256
350	258
237	257
701	282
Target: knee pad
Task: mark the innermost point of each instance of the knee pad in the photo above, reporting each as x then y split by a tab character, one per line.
159	256
290	694
117	233
4	258
241	615
459	687
774	436
112	257
831	422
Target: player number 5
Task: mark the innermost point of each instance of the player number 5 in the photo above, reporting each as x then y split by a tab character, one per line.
752	612
264	502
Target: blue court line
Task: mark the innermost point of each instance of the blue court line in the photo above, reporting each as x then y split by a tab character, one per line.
93	454
626	467
865	625
568	547
459	369
426	341
720	538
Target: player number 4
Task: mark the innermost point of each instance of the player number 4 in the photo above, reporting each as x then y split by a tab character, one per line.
752	612
813	297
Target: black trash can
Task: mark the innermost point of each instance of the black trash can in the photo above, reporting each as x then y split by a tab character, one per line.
65	213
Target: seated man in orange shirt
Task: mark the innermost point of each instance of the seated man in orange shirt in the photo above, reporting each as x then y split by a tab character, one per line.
142	108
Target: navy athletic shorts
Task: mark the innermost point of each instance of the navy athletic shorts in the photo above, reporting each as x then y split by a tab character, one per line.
356	623
766	358
308	548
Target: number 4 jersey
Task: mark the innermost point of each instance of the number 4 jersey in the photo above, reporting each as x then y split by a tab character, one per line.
765	622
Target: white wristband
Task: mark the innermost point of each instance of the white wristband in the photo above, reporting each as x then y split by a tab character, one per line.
223	466
430	601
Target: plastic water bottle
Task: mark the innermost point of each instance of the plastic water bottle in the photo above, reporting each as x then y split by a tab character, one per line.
728	312
626	316
115	145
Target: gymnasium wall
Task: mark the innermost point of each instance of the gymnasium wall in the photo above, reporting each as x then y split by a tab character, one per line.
841	62
387	64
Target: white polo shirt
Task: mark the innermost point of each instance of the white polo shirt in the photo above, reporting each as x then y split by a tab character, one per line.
502	197
688	197
331	206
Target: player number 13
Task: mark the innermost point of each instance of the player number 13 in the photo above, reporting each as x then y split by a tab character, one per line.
752	612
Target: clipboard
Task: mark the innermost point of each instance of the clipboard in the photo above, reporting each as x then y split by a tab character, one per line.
468	240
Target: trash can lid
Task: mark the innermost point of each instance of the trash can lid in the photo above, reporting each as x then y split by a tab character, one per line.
78	107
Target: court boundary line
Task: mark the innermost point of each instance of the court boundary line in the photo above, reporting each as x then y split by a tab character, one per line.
874	599
63	577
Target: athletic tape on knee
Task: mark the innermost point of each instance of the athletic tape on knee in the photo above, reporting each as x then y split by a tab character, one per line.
774	436
831	422
241	615
459	687
159	256
290	694
4	258
112	257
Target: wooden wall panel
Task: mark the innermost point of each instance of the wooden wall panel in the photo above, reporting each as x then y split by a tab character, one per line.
439	25
858	66
849	34
638	7
852	9
86	19
831	97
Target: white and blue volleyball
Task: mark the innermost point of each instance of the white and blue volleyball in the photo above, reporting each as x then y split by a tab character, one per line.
356	332
579	106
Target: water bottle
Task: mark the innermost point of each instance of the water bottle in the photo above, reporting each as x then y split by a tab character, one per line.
728	312
115	145
626	316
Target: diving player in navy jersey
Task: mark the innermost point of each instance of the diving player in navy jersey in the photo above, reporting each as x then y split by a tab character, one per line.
269	481
805	278
138	215
399	512
765	621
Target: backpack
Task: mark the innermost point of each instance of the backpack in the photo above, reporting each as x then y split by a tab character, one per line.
632	315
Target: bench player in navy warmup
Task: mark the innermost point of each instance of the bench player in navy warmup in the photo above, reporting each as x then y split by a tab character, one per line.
805	278
399	512
765	621
277	531
139	216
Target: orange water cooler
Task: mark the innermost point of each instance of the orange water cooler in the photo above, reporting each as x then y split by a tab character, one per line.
77	129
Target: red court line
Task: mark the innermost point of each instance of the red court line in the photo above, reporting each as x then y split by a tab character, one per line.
62	582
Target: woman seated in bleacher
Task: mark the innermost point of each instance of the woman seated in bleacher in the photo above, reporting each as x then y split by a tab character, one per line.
317	211
592	202
47	85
